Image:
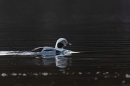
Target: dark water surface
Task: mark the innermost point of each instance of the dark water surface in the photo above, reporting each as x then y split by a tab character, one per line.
104	60
80	69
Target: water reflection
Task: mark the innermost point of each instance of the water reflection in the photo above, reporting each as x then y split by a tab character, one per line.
61	62
13	61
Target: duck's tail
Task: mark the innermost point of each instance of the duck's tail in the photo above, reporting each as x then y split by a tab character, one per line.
74	52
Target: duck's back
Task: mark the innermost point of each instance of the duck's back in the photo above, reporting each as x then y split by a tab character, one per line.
48	51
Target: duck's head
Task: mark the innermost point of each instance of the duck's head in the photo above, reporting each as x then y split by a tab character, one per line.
61	42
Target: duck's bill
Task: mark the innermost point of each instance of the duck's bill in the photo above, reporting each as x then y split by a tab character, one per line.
69	44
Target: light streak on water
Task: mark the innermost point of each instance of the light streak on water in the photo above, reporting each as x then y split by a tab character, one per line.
2	53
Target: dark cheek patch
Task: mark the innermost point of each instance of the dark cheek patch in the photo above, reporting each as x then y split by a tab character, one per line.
60	45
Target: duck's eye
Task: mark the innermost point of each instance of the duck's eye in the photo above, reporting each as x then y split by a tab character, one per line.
60	45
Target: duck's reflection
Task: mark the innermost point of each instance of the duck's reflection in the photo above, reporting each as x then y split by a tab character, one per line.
59	61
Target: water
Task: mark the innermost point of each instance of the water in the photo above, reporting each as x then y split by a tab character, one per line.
78	69
104	59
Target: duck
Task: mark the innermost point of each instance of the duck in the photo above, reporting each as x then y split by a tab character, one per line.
58	50
46	51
